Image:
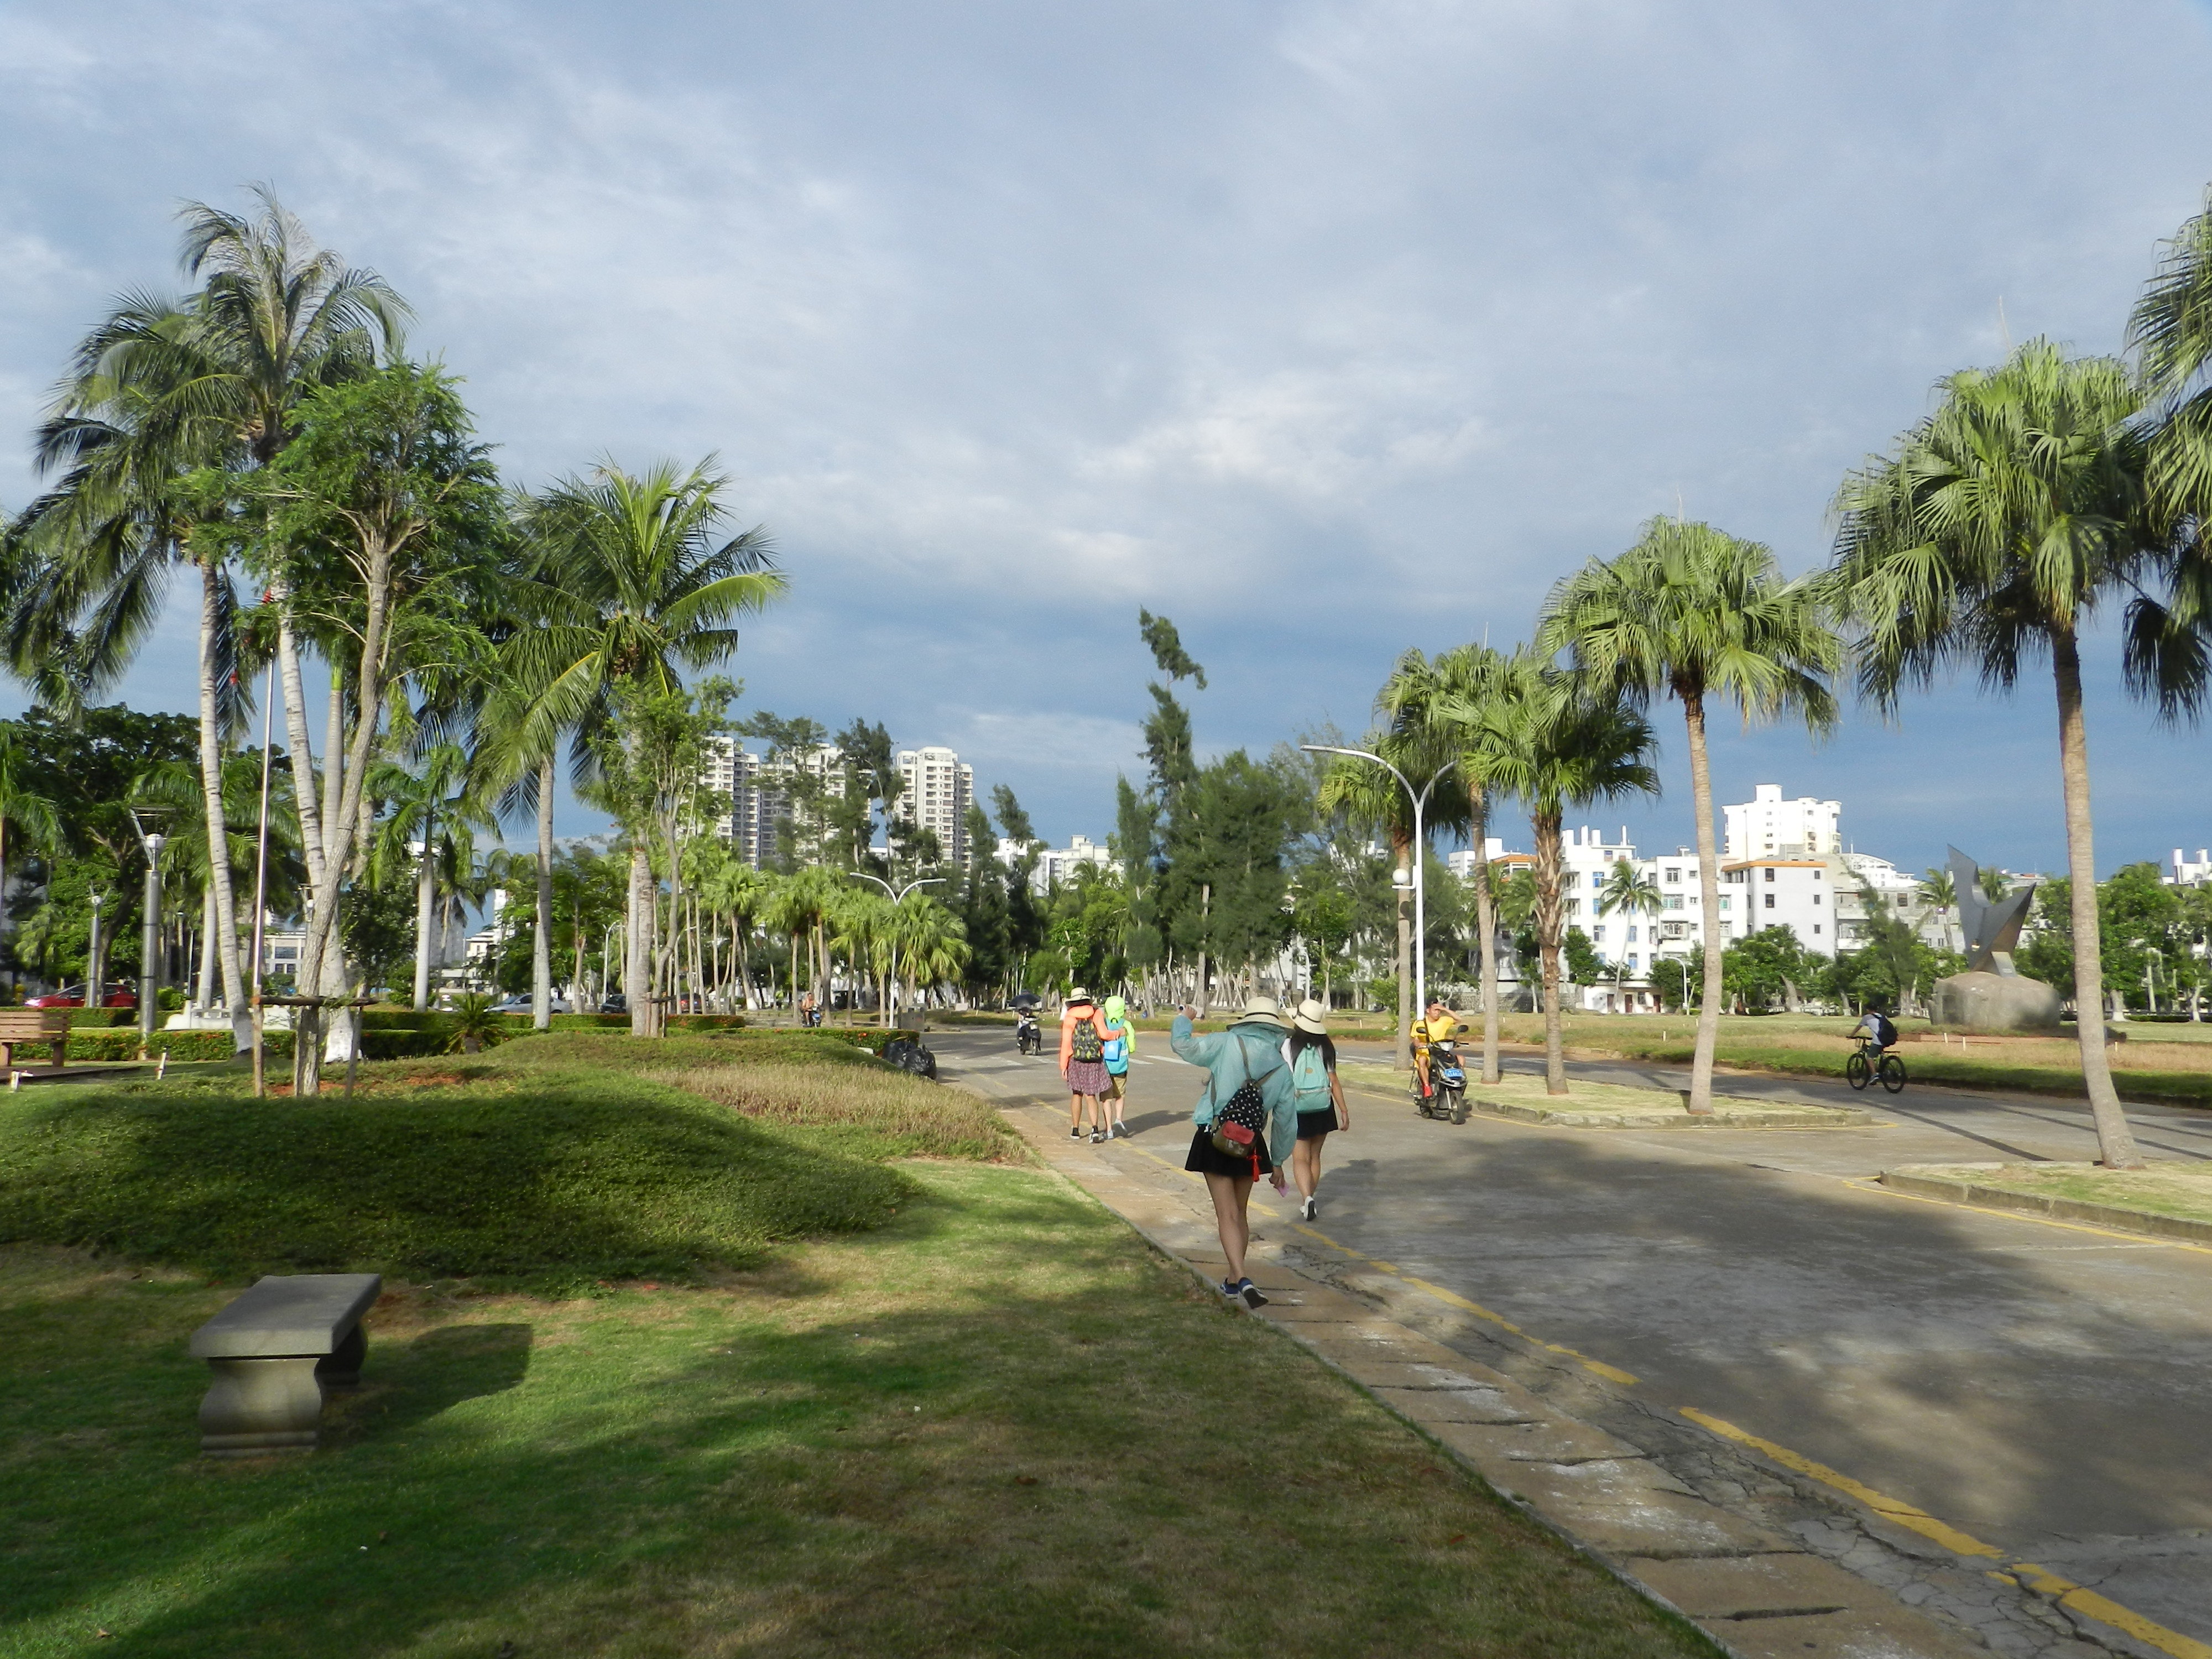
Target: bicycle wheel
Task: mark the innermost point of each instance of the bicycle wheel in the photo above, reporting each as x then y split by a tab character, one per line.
1857	1072
1892	1073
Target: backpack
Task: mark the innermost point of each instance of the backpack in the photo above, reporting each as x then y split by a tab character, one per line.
1117	1051
1309	1076
1240	1121
1083	1044
1884	1032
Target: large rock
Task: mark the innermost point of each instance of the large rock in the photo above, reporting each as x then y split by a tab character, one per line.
1983	1001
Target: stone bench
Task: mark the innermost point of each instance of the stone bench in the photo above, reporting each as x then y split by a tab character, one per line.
273	1352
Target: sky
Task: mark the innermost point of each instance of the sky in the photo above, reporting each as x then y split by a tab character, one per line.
1327	329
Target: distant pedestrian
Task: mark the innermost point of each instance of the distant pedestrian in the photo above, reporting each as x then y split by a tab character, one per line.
806	1008
1319	1098
1246	1121
1083	1062
1121	1048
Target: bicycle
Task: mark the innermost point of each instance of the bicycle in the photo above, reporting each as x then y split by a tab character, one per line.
1871	1062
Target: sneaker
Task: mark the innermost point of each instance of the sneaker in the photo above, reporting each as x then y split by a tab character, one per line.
1097	1137
1075	1135
1250	1293
1122	1130
1227	1289
1312	1210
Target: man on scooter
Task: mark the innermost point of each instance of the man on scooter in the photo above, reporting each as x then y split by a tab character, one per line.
1438	1026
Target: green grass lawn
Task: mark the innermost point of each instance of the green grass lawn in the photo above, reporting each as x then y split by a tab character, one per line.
2153	1067
2165	1187
885	1404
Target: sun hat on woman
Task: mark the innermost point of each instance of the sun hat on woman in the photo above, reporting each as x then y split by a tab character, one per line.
1311	1016
1263	1008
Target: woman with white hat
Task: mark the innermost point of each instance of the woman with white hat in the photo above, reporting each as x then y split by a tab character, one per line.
1318	1097
1245	1128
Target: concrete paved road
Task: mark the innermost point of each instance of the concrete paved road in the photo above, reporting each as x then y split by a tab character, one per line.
2045	1388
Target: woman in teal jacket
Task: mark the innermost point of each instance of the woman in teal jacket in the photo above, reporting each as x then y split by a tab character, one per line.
1250	1050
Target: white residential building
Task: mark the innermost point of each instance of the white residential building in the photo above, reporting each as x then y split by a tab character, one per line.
1462	863
758	823
1766	826
2191	873
1058	865
937	793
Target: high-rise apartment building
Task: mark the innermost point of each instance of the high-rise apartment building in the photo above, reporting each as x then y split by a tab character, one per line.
935	793
760	823
1768	827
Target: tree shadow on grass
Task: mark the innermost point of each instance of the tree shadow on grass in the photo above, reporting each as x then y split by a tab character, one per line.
406	1386
1036	1471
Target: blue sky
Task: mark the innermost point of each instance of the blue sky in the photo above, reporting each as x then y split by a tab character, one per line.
1325	329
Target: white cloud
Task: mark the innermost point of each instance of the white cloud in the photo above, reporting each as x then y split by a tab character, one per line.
1326	329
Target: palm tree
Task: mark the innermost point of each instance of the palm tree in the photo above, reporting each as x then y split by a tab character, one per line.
1629	890
1943	895
24	808
159	389
931	944
428	805
1556	739
1375	801
1696	614
1417	692
1992	530
633	582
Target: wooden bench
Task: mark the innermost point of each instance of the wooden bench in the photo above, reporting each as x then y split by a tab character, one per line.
273	1352
35	1028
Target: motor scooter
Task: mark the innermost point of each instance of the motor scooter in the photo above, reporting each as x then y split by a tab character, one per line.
1026	1038
1446	1095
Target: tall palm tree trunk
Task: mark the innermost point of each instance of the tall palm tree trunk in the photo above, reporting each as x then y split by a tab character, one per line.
540	953
1708	895
2115	1141
1405	891
210	968
425	903
218	834
637	949
1548	858
1486	930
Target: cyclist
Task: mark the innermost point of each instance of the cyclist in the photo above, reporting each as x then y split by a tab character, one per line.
1878	1030
1438	1026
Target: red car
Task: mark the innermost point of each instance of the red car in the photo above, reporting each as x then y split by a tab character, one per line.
72	996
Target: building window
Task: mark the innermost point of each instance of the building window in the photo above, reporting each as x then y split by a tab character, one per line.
1597	934
1574	907
1673	901
1673	875
1770	876
1816	898
1816	874
1724	905
1631	959
1632	938
1597	878
1816	930
1770	900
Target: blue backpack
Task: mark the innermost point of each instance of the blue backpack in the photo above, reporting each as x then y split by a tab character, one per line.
1309	1078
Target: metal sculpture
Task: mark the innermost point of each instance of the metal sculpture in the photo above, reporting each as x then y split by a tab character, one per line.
1992	927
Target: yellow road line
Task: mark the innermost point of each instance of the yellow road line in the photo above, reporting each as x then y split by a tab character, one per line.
2064	1591
1452	1298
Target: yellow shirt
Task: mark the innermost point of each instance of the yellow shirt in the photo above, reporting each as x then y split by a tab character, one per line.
1443	1028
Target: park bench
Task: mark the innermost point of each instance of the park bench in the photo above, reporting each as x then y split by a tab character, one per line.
273	1352
35	1028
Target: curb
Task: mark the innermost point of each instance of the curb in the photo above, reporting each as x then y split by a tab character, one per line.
1819	1117
2059	1209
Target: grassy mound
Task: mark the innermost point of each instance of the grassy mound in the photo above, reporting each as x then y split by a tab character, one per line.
550	1169
897	1117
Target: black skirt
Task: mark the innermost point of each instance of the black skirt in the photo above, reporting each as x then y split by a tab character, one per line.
1206	1161
1312	1125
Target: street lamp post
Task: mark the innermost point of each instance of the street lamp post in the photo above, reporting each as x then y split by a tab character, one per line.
149	963
898	897
1421	800
94	981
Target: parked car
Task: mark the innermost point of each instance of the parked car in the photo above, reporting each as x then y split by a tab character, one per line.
521	1005
72	996
615	1003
